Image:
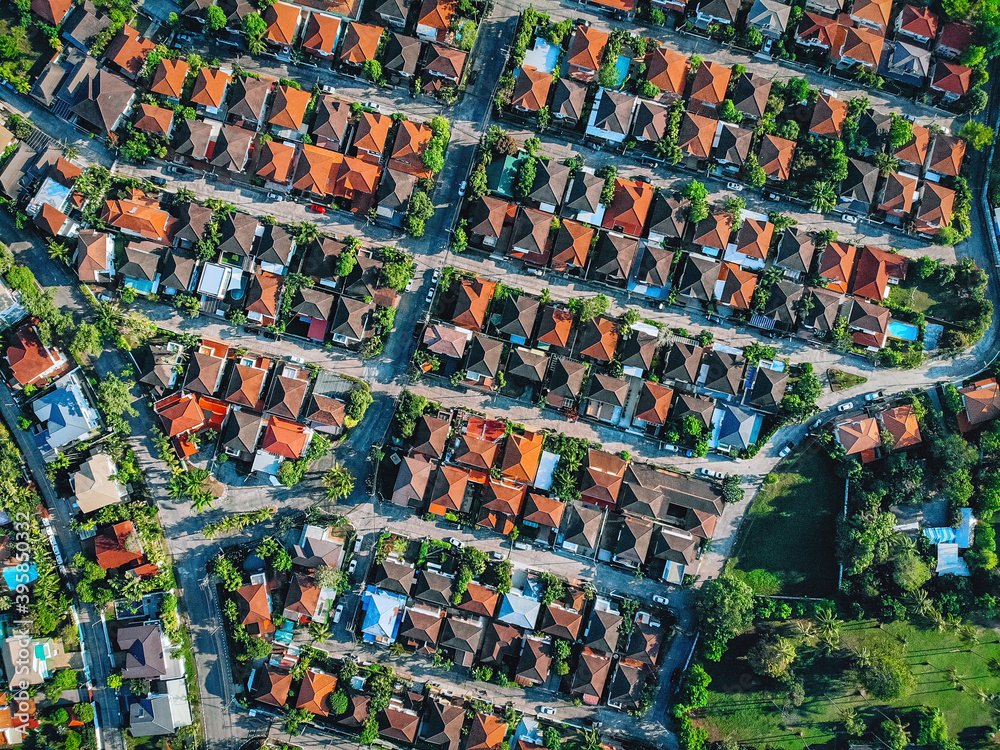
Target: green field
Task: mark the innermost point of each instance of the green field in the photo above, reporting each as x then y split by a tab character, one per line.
919	294
790	527
742	708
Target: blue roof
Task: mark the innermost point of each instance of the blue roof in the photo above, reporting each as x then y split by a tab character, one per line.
12	578
383	612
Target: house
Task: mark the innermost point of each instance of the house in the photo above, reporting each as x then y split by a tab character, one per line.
246	381
402	54
615	256
591	676
51	12
782	306
598	339
486	219
461	638
275	162
393	12
262	297
155	120
95	257
581	529
753	242
826	7
448	492
698	278
951	80
735	286
667	70
738	428
411	482
360	43
302	602
521	457
611	117
543	512
180	414
716	11
861	46
918	23
372	135
253	605
554	328
65	415
634	537
586	50
502	503
430	436
750	94
981	402
330	121
824	310
288	109
713	232
775	156
565	383
399	723
479	600
321	35
128	52
192	139
118	545
442	725
607	398
697	134
568	101
908	63
82	25
549	186
711	83
139	269
860	184
273	687
160	714
472	303
285	438
902	425
937	205
954	39
209	93
517	319
357	182
443	64
654	268
412	140
724	372
873	14
483	362
282	21
859	436
434	19
653	404
560	622
650	121
240	433
828	116
898	195
817	31
733	146
95	485
137	217
232	148
530	240
350	321
315	692
316	170
876	269
535	662
914	152
98	99
247	99
770	17
947	155
870	324
667	218
768	388
434	589
630	208
531	90
795	252
836	265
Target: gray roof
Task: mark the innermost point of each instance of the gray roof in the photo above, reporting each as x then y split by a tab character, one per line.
394	578
550	182
151	717
312	303
581	525
824	310
520	611
668	216
102	98
683	361
14	170
654	268
737	426
699	277
143	647
434	588
139	264
192	138
585	193
734	144
769	15
331	119
614	113
909	61
569	98
392	9
518	316
768	388
83	24
782	303
275	245
237	233
722	9
608	390
566	378
795	250
193	220
484	356
349	319
725	370
232	147
527	364
602	631
750	94
395	189
859	185
239	433
402	53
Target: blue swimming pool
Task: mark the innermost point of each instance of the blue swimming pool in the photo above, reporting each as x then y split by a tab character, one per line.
905	331
621	66
543	56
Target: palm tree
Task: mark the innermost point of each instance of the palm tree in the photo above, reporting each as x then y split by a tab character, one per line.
903	545
339	482
807	630
308	233
920	603
982	695
886	163
256	45
201	501
953	677
592	738
968	635
319	630
863	656
823	197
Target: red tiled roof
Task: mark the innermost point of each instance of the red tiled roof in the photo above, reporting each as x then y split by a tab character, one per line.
711	83
274	161
373	132
837	264
667	70
128	51
436	14
110	546
754	238
630	206
901	423
168	80
316	169
956	36
952	78
863	45
918	21
179	413
360	43
51	11
821	29
858	435
915	151
284	437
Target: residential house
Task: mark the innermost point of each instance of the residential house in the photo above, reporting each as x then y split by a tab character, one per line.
768	390
630	208
586	51
873	14
393	12
531	90
818	31
682	362
169	77
360	44
192	139
782	306
914	153
95	485
581	529
209	93
951	80
549	186
862	46
898	194
876	269
769	17
902	425
611	117
607	398
602	478
712	233
95	257
615	256
139	269
667	218
750	94
554	328
859	436
795	252
128	51
565	383
321	35
711	81
947	155
918	23
870	324
698	278
65	416
724	372
667	70
288	110
434	19
443	64
650	121
402	54
775	156
247	99
836	265
908	63
860	184
697	135
733	146
330	120
937	205
275	163
568	101
599	339
232	149
828	116
716	11
954	39
282	21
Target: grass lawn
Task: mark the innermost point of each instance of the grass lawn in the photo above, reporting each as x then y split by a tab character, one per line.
926	296
841	380
741	708
790	528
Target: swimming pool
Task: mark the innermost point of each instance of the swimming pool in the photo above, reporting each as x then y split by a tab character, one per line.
905	331
622	66
543	56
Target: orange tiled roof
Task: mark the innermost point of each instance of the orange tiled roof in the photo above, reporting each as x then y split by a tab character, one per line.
168	80
711	83
149	222
915	152
858	435
282	19
586	48
837	264
128	51
902	424
210	87
179	413
776	156
572	246
918	21
936	207
436	14
408	149
321	32
289	107
51	11
873	11
754	238
373	132
863	45
521	456
820	29
360	43
532	89
275	161
667	70
317	168
315	692
630	206
952	78
284	437
828	116
738	286
697	134
154	119
356	176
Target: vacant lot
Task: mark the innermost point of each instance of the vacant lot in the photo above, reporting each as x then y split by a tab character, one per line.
927	296
744	708
791	525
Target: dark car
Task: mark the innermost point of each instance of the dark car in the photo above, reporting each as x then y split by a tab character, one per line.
161	181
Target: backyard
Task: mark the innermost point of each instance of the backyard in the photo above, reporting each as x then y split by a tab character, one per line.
949	675
925	296
786	543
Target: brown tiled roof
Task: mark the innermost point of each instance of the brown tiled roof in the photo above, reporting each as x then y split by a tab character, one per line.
449	489
828	116
262	294
711	83
936	207
273	687
532	89
858	435
445	61
697	134
738	286
274	161
952	77
918	21
654	403
837	263
599	339
409	146
430	436
630	206
898	195
819	28
561	623
154	119
776	156
714	230
480	600
947	155
545	511
50	219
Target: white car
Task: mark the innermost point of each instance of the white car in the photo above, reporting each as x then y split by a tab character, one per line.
767	46
661	600
734	186
461	188
547	710
457	543
338	614
327	89
850	219
352	567
846	407
786	450
706	472
874	395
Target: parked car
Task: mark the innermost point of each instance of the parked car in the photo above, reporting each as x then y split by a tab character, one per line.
352	567
816	424
850	219
707	472
767	46
734	186
461	188
497	555
161	181
846	407
874	395
338	613
547	710
786	450
457	543
329	89
317	208
661	600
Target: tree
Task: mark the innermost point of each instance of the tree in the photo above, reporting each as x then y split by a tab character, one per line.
728	112
339	483
894	732
910	572
731	490
772	657
590	307
254	27
84	712
886	163
976	134
726	610
215	18
86	340
823	196
115	399
551	738
115	681
332	578
900	131
755	174
753	37
421	208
